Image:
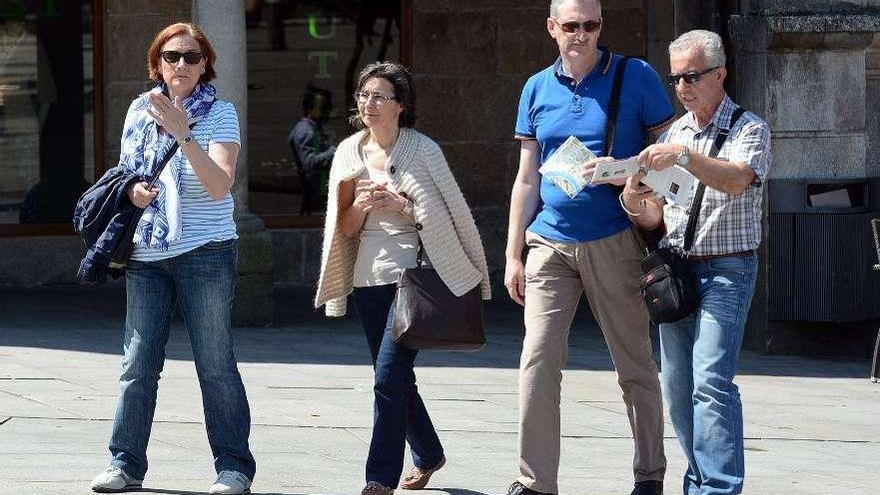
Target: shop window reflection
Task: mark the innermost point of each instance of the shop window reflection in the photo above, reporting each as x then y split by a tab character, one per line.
303	58
46	109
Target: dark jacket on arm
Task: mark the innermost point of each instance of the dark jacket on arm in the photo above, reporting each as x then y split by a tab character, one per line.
102	216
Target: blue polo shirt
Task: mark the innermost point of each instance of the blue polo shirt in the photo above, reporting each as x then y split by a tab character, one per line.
553	107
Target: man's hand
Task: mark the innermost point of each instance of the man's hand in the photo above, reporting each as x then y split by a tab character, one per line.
660	156
590	166
140	196
515	280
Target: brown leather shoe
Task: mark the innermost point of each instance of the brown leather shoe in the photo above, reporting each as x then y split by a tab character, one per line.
376	488
418	479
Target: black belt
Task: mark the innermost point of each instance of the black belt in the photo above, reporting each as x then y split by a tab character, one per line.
703	257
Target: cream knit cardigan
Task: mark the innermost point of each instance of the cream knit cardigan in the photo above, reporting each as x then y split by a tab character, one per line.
443	220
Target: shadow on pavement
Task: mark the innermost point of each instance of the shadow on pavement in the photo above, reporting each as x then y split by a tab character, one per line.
90	319
147	490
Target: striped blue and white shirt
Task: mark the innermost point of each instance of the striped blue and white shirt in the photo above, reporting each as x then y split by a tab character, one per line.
203	218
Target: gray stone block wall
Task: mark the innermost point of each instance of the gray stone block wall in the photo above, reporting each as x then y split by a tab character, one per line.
872	107
808	77
39	260
297	254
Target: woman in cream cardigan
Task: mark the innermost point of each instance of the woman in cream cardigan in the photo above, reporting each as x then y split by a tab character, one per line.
390	186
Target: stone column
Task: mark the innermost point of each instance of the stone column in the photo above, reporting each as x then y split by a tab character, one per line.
224	24
806	76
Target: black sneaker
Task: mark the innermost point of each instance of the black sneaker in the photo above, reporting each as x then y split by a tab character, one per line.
650	487
517	488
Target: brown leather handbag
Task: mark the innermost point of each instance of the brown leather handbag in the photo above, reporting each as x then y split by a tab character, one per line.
427	315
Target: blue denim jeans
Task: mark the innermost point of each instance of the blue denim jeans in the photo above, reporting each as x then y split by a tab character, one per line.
202	284
699	358
399	414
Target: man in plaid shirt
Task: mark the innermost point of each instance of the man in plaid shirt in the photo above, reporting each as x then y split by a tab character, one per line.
699	353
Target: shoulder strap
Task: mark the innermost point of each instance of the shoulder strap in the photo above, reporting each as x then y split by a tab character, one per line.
701	188
614	105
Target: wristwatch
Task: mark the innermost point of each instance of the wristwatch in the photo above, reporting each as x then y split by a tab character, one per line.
407	209
186	139
683	157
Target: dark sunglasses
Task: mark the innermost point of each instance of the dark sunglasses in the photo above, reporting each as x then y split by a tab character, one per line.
587	26
191	58
689	77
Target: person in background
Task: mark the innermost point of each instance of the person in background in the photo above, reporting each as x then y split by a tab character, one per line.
311	148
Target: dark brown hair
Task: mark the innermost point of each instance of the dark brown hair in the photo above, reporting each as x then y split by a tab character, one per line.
404	92
153	54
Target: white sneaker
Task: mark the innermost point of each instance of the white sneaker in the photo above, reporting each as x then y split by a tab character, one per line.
231	483
113	480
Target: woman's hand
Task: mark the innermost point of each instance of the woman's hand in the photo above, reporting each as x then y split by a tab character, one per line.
170	116
140	196
375	196
363	195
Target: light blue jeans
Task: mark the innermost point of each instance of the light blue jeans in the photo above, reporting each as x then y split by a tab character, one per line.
699	359
202	284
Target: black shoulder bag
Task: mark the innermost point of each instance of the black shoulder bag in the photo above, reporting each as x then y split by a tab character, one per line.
668	285
427	315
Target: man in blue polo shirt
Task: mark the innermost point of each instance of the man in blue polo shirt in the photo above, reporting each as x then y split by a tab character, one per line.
584	244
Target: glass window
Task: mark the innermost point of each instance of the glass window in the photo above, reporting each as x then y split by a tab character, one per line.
303	61
46	109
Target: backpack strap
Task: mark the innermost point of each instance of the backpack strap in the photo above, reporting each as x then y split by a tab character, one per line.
614	106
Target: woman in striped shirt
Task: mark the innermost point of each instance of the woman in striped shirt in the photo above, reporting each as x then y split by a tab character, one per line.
185	253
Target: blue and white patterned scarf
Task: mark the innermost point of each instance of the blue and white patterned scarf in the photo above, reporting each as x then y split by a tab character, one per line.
143	147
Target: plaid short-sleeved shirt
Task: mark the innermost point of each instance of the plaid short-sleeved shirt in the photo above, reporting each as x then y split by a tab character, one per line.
728	223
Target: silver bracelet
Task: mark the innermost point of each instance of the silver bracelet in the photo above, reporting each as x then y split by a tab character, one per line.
620	199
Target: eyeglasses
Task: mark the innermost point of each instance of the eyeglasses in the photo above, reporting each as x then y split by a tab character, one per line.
191	58
691	77
587	26
379	98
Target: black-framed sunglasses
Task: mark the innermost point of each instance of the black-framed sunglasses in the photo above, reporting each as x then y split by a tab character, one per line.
691	77
191	58
587	26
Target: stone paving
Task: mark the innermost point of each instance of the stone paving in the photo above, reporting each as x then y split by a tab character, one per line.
811	424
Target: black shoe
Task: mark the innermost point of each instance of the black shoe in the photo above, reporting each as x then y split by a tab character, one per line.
650	487
518	488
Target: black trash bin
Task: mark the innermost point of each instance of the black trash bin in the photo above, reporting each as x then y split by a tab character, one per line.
820	250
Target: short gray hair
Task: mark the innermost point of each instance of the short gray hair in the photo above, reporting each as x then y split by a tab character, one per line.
554	6
706	42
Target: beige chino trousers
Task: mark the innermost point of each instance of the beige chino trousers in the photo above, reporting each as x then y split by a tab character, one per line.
556	273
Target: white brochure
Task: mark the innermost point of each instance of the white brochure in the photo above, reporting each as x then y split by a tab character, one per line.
564	167
615	169
674	183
